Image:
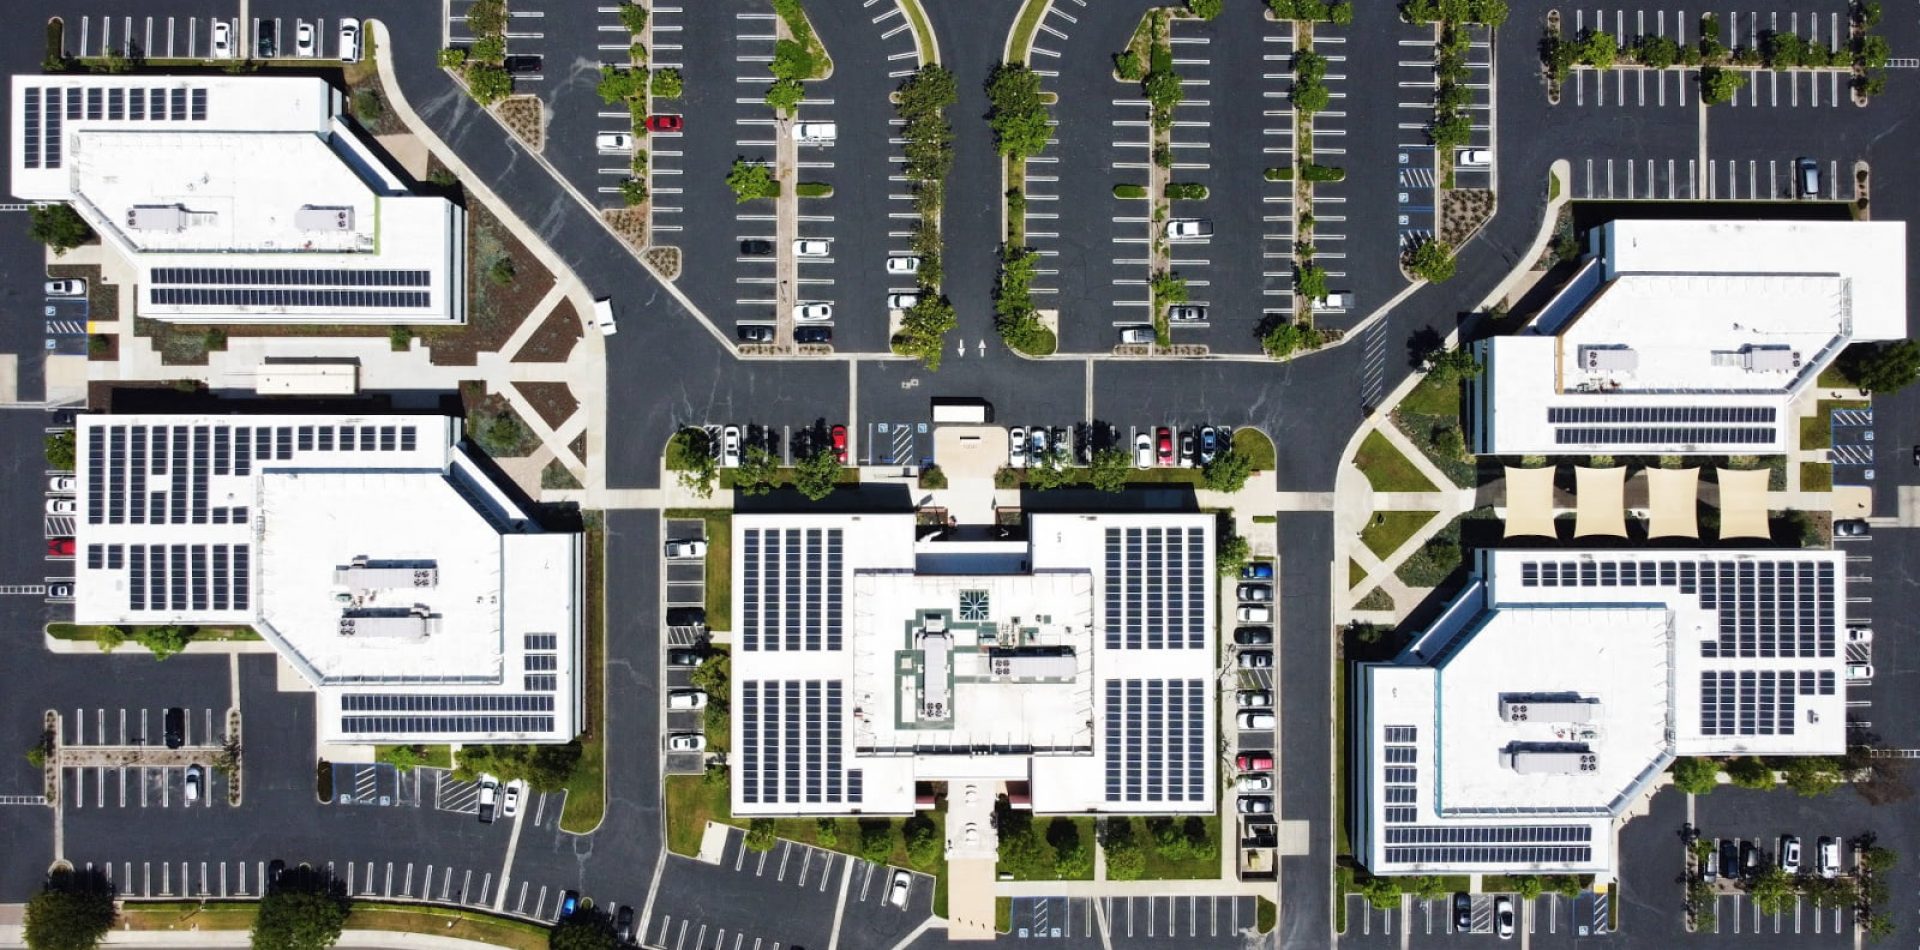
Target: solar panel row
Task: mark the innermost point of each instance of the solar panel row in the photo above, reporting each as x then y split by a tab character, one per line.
439	725
1783	608
1694	414
1665	435
444	702
791	589
1757	702
280	297
43	108
1155	588
791	744
1401	787
291	277
1155	740
169	578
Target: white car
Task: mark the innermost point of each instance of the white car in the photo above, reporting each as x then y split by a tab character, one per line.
1859	634
62	506
1337	300
815	133
510	805
1254	783
1826	857
686	699
1189	229
1790	854
1143	451
222	40
811	247
1256	720
1474	158
1187	313
67	287
614	141
303	39
897	891
196	778
1856	672
686	742
1255	698
686	550
1256	805
62	484
903	265
902	301
1255	614
489	798
1136	336
730	447
812	312
603	317
349	41
1503	917
1017	447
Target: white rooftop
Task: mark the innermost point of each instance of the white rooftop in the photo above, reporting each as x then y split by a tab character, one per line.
1559	684
951	660
1689	337
239	198
370	551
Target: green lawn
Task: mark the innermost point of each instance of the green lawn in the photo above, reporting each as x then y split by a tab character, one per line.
1340	779
1023	30
1265	915
1179	869
921	31
1816	476
587	787
69	631
1386	468
430	756
1834	378
1432	398
1355	574
1255	445
367	915
1387	530
719	562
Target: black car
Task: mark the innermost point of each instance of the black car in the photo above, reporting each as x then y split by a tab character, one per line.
523	65
755	333
275	870
1253	636
1462	912
756	248
176	727
813	334
1730	860
686	617
623	924
684	657
265	47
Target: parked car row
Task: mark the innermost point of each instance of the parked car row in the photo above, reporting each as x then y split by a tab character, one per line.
1735	859
1503	916
1185	447
1255	781
1034	445
61	501
500	800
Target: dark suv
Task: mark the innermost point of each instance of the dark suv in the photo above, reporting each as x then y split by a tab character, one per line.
1462	912
1729	860
176	727
813	334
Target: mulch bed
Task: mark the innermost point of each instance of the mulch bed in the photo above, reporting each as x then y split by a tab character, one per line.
494	310
1463	211
553	401
666	260
555	339
630	224
480	404
579	447
524	117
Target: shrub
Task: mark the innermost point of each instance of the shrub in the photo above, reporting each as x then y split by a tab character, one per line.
1282	337
1280	174
634	191
452	57
1322	173
488	83
785	94
667	84
760	836
1130	191
58	226
876	840
1186	191
1749	772
1720	85
60	450
1205	9
501	271
813	189
750	181
1813	776
1695	775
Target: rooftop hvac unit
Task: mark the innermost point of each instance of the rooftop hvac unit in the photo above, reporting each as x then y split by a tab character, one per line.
315	218
1553	761
157	218
1549	710
1609	359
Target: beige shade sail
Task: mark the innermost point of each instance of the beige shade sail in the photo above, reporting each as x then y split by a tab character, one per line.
1600	502
1743	502
1673	496
1529	503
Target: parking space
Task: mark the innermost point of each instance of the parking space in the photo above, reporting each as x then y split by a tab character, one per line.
897	443
186	32
1547	920
787	896
1092	245
367	783
67	316
384	880
138	787
201	727
1854	447
1276	151
1185	920
686	575
1678	87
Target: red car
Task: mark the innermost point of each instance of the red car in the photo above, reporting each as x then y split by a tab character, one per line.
663	123
840	444
1164	436
1253	761
59	547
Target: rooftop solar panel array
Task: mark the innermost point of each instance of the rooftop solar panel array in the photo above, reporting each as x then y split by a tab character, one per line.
170	578
791	744
1778	608
1402	785
43	108
791	597
1500	845
1664	435
1155	588
1155	737
1757	702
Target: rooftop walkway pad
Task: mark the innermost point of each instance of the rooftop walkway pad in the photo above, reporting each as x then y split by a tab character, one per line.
1530	503
1673	496
1600	502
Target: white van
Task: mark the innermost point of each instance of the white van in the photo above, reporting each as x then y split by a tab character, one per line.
815	133
962	410
603	316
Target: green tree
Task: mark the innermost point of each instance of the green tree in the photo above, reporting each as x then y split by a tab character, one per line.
876	840
1695	775
165	640
817	475
1771	890
750	180
1749	772
1110	470
488	83
791	60
1016	112
1812	775
1656	52
58	227
760	835
756	473
1383	893
1310	281
1883	368
1878	860
1598	49
1231	555
453	57
634	17
616	85
1169	840
1431	261
785	94
488	49
72	911
1452	366
1281	338
1228	472
827	832
923	843
60	449
923	330
1126	864
690	452
714	675
304	910
667	84
1046	473
1074	862
1204	9
1720	85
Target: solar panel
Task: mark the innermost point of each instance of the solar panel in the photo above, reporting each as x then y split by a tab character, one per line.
1154	740
791	733
1154	588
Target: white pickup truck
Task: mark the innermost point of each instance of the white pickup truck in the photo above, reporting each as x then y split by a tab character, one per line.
603	316
815	133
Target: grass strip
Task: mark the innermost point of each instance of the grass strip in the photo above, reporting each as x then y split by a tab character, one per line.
1386	468
1256	447
922	34
1023	30
1816	476
587	787
1388	530
719	562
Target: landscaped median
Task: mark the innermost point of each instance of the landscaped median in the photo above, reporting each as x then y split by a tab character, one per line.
719	569
182	916
162	641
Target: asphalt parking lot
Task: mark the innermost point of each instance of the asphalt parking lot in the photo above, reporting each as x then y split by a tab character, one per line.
1547	920
789	896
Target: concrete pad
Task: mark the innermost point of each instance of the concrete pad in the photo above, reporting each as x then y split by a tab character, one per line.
1293	837
9	379
66	379
970	914
408	151
713	842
